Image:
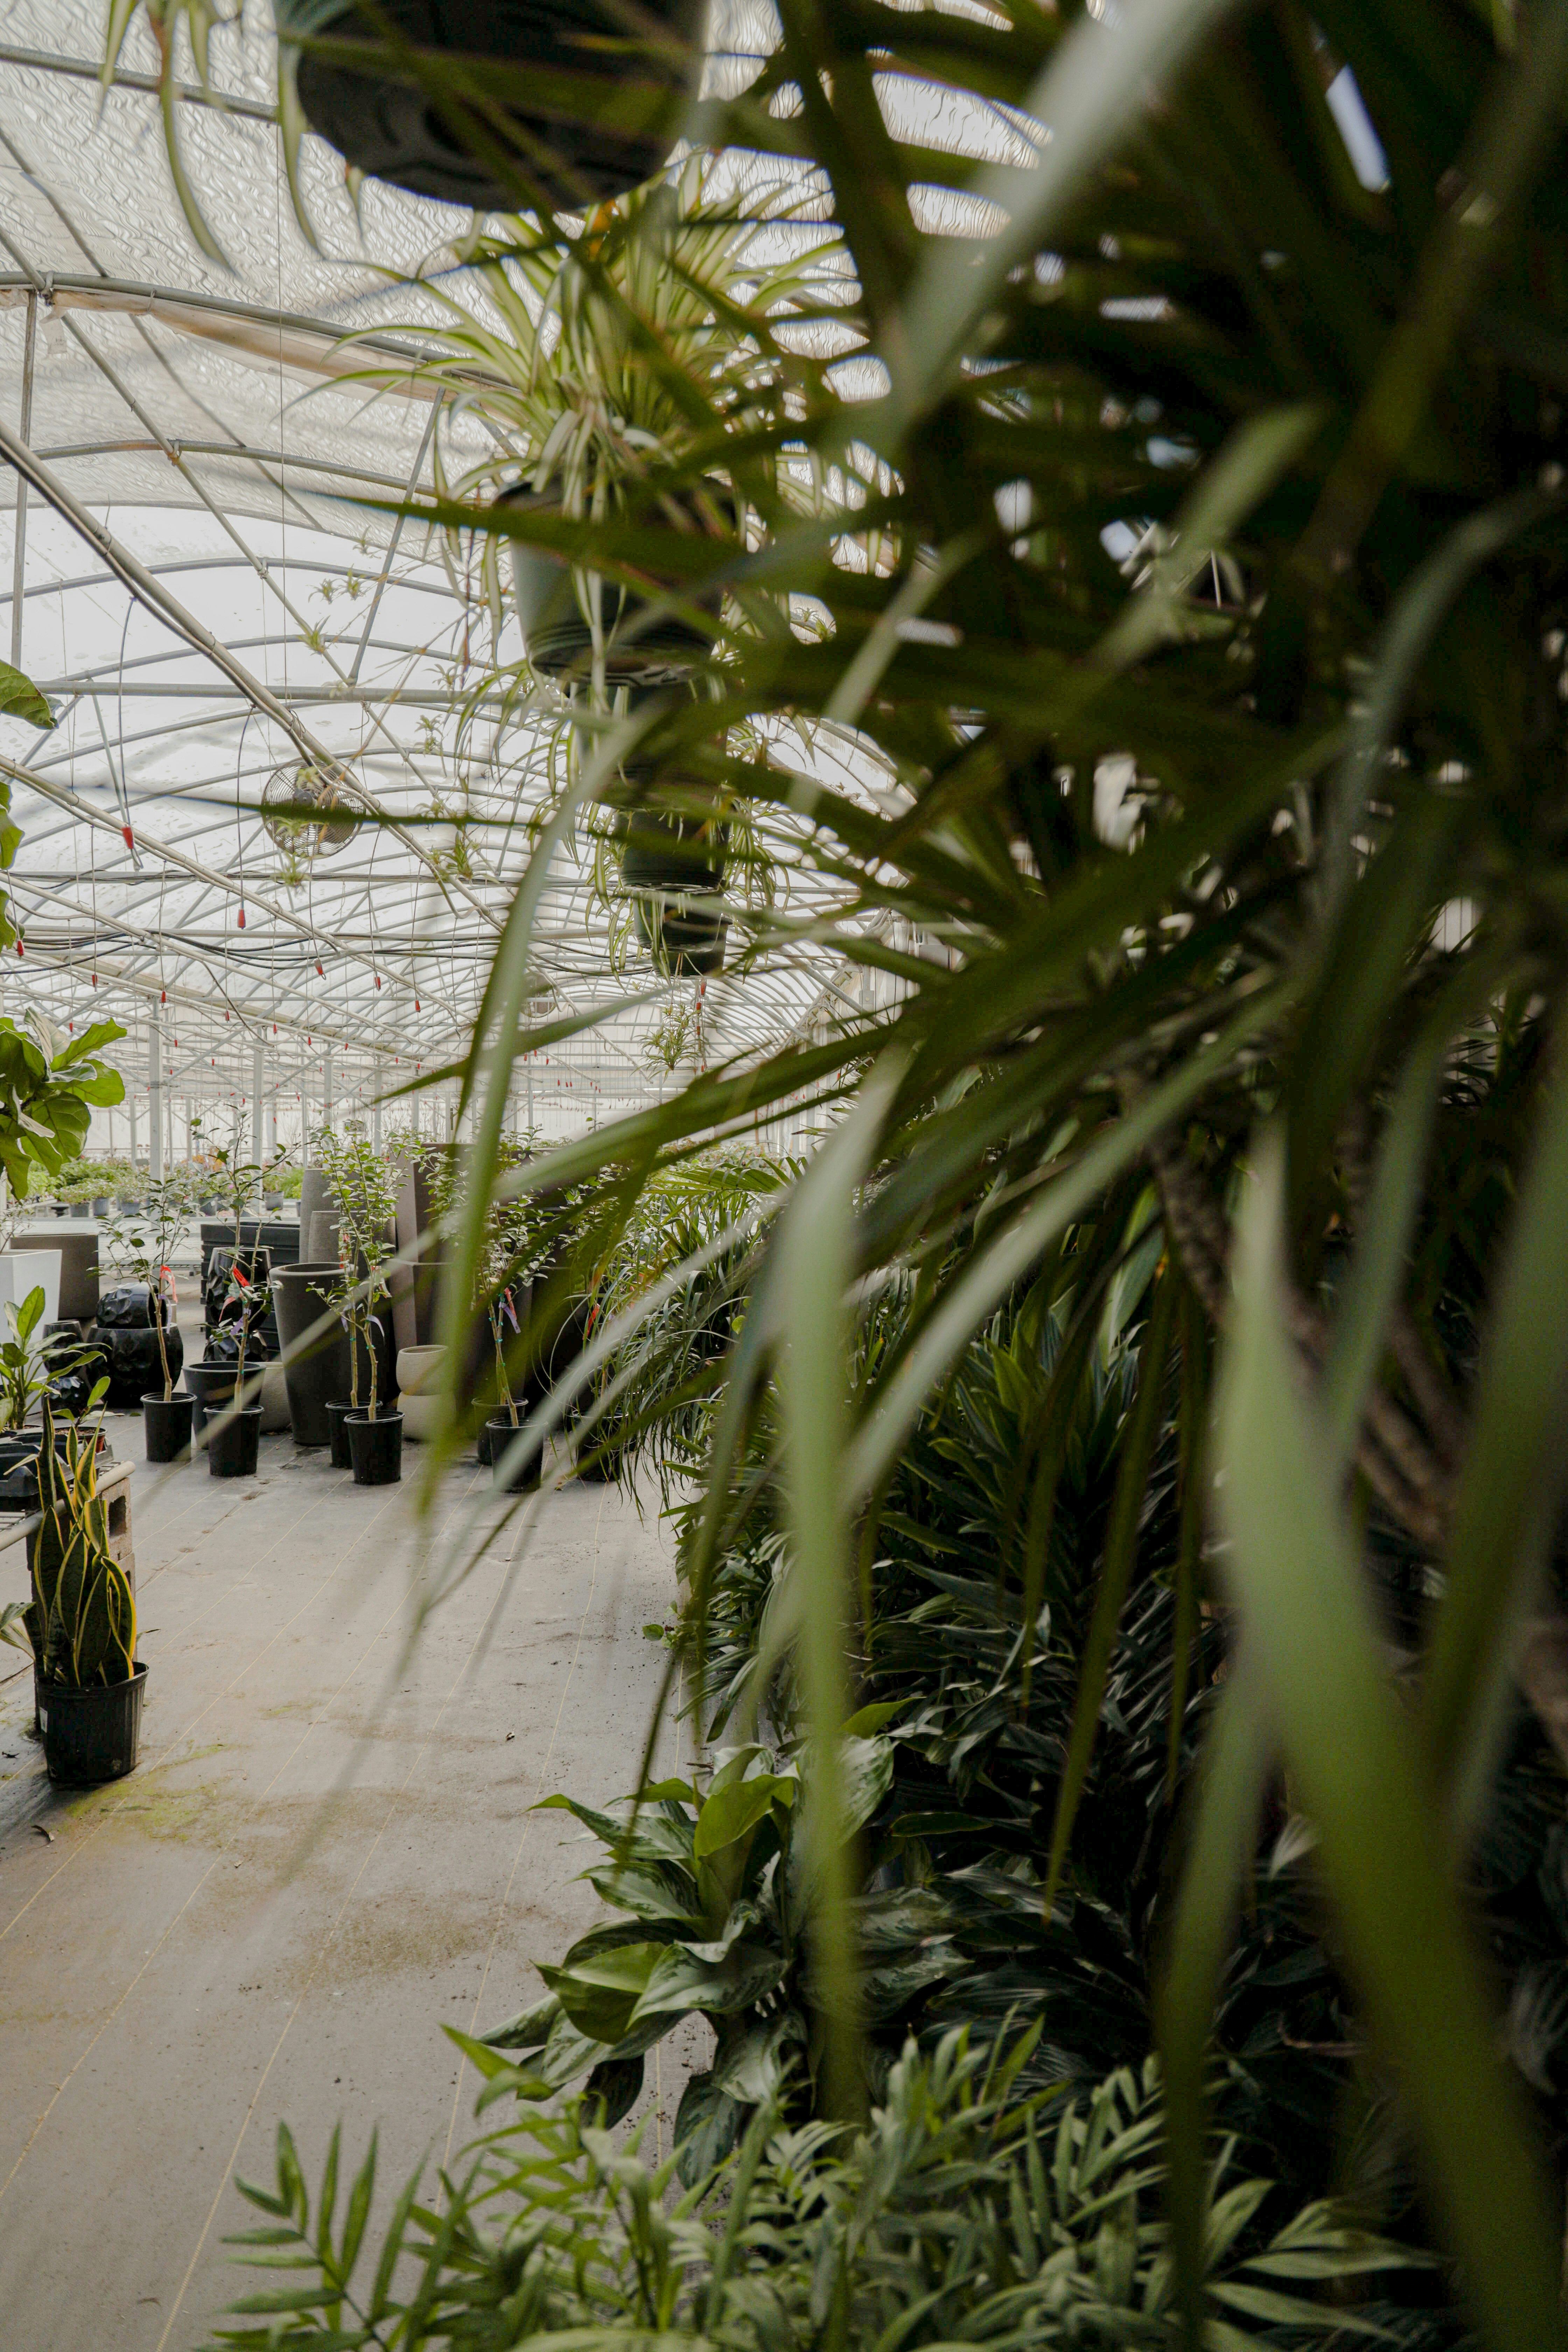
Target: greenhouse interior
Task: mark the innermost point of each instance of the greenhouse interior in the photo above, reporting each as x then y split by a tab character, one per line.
783	1175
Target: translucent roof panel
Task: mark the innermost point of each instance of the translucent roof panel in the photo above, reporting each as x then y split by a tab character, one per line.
214	425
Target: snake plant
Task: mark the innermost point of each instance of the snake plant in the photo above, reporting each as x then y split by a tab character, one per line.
81	1620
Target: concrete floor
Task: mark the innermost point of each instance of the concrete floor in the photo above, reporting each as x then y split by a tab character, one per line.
310	1871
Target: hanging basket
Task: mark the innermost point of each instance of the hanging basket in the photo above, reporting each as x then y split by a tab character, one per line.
638	652
303	813
385	123
673	867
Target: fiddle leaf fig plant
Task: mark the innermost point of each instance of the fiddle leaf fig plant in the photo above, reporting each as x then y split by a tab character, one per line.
50	1084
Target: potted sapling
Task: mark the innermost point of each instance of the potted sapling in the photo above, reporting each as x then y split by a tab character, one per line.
232	1184
337	1158
143	1248
365	1186
233	1438
513	1242
80	1623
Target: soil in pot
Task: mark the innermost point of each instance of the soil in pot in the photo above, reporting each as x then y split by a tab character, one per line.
232	1442
501	1430
390	126
166	1424
376	1447
337	1419
90	1735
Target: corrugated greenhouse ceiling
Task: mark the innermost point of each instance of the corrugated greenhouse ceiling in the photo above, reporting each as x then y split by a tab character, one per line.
209	603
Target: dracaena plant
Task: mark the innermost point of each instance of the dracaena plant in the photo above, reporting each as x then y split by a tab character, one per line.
1181	742
1194	685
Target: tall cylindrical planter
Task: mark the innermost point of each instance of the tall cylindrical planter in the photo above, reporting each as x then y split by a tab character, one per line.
302	1294
166	1425
376	1447
338	1436
232	1442
90	1735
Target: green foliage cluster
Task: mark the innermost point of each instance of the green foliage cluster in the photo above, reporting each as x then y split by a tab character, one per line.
49	1087
964	2214
1157	682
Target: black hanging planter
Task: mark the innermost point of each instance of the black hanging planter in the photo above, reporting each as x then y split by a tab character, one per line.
376	1447
232	1442
384	123
90	1735
524	1477
674	869
639	651
166	1425
337	1433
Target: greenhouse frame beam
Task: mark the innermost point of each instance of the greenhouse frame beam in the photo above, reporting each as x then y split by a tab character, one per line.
19	534
149	590
130	982
254	327
282	916
233	563
190	93
306	1019
318	697
292	459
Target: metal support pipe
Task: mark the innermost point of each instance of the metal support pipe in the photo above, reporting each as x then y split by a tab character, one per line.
19	555
258	1089
155	1097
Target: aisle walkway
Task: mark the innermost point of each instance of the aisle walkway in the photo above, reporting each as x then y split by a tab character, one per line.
210	1944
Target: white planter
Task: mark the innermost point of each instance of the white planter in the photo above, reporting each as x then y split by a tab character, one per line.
23	1270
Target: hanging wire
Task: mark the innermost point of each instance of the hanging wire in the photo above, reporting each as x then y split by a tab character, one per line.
238	829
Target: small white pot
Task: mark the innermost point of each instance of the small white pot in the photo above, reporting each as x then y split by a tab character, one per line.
24	1270
419	1370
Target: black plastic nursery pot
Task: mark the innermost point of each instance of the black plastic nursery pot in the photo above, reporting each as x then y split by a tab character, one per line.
232	1442
524	1477
166	1422
211	1387
384	123
338	1435
19	1464
376	1447
90	1735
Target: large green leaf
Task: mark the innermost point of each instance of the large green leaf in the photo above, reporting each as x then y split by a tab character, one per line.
1355	1760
